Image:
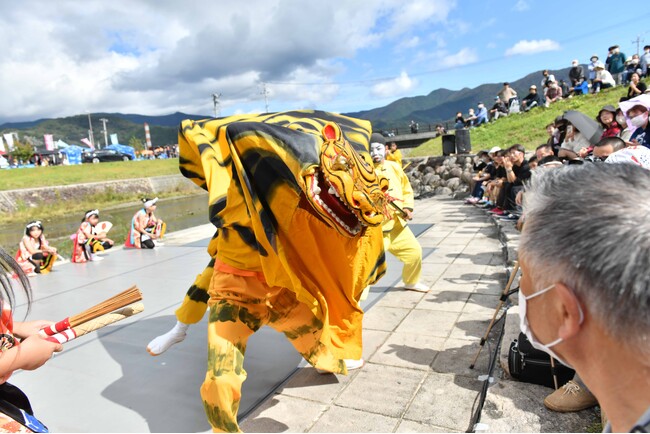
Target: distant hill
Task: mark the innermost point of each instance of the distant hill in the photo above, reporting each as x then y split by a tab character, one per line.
438	106
443	104
164	129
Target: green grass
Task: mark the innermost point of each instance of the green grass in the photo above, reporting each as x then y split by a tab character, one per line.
65	175
527	129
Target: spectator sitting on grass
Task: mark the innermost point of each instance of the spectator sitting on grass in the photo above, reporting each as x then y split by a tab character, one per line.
481	115
607	119
459	122
547	78
645	59
577	78
636	88
607	146
493	186
552	93
631	66
517	172
533	99
593	62
553	136
613	150
470	120
498	109
626	130
603	80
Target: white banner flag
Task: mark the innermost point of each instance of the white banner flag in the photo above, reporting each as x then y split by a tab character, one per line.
87	142
9	138
2	145
114	140
49	141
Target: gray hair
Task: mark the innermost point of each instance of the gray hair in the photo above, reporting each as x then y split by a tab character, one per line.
588	227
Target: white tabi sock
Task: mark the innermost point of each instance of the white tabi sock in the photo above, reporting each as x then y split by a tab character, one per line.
163	342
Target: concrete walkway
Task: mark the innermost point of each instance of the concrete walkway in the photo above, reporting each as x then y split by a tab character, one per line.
418	348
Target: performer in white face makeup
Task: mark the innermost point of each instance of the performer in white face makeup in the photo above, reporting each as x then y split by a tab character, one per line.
398	238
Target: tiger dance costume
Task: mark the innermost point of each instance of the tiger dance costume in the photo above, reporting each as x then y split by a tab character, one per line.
298	208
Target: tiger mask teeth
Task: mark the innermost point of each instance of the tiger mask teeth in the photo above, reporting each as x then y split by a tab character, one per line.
345	190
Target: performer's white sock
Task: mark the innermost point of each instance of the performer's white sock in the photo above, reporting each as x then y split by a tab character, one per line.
163	342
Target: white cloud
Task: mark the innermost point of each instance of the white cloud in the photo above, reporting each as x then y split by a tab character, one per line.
463	57
395	87
521	5
409	43
532	47
153	57
491	45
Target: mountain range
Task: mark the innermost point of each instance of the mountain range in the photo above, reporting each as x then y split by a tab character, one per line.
438	106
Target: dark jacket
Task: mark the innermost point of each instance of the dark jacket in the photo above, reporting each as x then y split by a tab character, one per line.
576	75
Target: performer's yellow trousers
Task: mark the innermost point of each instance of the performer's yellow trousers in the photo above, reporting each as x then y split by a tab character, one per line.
401	242
239	306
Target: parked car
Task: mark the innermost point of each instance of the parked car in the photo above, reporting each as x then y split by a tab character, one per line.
105	155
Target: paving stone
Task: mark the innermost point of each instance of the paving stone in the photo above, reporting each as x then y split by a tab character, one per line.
384	318
381	389
447	301
471	326
406	426
445	401
308	384
283	414
481	303
408	351
372	340
347	420
428	323
401	299
457	356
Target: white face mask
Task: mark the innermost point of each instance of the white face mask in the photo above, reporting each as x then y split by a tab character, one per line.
525	327
377	152
640	120
620	120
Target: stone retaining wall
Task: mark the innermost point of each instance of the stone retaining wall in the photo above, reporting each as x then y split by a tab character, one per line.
433	176
10	200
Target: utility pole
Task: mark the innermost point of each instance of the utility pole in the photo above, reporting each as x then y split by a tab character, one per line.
265	92
90	131
215	100
104	120
637	41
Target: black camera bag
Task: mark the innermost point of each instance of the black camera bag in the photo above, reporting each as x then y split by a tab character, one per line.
530	365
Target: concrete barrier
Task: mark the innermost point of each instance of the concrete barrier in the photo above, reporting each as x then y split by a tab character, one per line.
11	200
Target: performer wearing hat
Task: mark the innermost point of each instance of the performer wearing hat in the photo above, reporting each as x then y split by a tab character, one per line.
146	228
398	238
35	256
88	240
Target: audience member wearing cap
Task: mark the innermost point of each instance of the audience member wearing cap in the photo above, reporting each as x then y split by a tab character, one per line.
615	63
638	116
481	114
35	256
146	229
607	119
603	79
507	94
636	88
498	109
88	240
533	99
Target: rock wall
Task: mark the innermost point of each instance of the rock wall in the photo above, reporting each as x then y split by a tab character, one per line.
434	176
10	200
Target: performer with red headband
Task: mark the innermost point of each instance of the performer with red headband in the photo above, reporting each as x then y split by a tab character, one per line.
35	256
90	238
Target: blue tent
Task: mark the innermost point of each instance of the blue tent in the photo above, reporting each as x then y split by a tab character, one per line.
123	149
73	152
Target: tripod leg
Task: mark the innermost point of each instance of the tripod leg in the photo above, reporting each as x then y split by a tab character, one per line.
504	294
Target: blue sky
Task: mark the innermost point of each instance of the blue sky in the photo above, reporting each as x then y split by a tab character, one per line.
150	57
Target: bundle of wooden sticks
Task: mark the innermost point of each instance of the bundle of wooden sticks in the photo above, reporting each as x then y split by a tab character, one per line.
116	308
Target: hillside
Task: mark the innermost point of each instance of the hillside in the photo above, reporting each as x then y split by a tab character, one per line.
528	128
443	104
164	129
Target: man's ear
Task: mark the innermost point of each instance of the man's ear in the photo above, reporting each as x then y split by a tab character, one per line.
570	310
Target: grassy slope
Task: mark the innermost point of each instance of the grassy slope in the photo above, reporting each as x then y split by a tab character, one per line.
527	129
65	175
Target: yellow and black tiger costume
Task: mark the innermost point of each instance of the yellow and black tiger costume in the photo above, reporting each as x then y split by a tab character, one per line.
298	208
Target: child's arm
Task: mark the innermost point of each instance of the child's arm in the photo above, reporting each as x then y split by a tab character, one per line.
31	354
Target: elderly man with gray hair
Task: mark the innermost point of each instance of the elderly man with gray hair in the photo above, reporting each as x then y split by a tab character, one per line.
585	286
